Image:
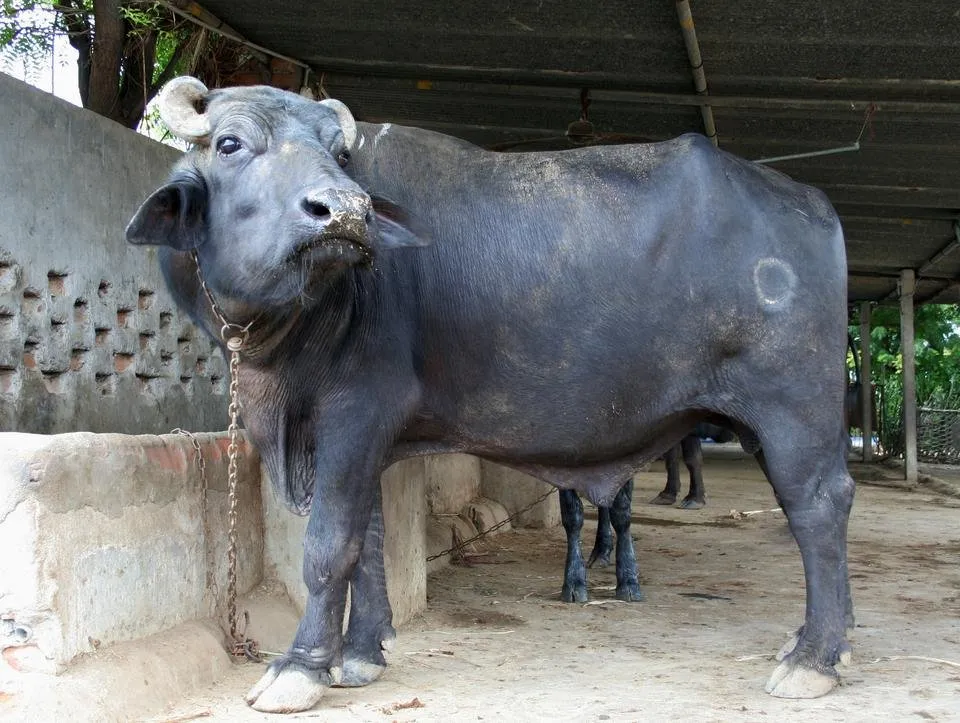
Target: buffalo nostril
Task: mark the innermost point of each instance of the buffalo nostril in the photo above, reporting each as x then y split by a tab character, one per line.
315	208
369	217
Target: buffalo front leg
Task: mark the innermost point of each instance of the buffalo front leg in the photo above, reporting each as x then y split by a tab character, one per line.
370	630
574	571
340	515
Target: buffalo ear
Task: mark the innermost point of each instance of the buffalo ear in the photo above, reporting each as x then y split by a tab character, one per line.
396	229
172	216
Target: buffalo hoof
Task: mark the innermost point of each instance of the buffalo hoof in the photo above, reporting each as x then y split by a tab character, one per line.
663	499
691	503
359	671
629	593
574	593
289	688
791	680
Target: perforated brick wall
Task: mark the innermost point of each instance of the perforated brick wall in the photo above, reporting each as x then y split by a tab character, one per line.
90	340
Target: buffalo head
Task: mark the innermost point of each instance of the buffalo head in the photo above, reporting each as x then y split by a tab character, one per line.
262	196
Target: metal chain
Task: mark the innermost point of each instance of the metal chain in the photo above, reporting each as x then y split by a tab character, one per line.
242	646
200	462
235	337
457	549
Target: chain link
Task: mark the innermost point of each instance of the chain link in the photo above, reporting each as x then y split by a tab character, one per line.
200	462
233	452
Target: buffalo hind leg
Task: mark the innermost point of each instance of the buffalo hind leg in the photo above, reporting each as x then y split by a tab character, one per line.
628	585
762	461
669	494
816	493
603	545
370	630
574	571
693	458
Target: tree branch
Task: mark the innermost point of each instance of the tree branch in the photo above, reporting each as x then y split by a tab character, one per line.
77	24
171	67
72	10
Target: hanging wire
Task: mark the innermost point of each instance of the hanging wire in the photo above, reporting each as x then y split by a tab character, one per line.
855	146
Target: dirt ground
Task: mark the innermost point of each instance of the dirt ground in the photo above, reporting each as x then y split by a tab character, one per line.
723	594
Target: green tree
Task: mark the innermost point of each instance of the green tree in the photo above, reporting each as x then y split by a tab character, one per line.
937	353
127	49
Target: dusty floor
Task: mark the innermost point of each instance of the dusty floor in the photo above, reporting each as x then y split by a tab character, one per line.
722	595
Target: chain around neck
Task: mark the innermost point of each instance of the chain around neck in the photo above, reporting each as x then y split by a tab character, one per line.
233	335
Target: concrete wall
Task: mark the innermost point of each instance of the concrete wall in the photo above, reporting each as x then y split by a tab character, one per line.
89	338
109	537
452	482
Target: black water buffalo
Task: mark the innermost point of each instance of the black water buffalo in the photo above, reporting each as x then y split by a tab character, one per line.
535	325
692	453
615	518
611	518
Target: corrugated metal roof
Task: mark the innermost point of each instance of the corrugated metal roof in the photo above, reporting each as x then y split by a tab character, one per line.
784	78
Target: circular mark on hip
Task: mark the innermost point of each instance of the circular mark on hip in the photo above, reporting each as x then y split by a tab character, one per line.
775	282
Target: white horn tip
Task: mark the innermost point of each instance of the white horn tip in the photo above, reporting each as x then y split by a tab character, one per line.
348	125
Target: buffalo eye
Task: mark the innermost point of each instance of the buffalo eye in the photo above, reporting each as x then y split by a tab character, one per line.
344	158
228	145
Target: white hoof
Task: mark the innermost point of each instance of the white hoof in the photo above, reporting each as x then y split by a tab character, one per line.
292	690
796	681
357	673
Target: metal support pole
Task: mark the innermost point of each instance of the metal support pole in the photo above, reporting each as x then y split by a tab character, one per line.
907	286
866	386
696	66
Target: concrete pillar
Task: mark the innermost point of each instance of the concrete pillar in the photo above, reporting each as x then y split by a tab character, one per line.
907	285
515	491
866	406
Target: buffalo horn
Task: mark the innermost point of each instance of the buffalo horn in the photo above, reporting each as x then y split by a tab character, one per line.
178	109
347	124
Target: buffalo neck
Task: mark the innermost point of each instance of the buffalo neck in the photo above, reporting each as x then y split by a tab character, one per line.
319	325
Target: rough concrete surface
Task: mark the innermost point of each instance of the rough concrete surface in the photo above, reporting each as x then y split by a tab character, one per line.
108	538
127	682
452	482
89	337
723	593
